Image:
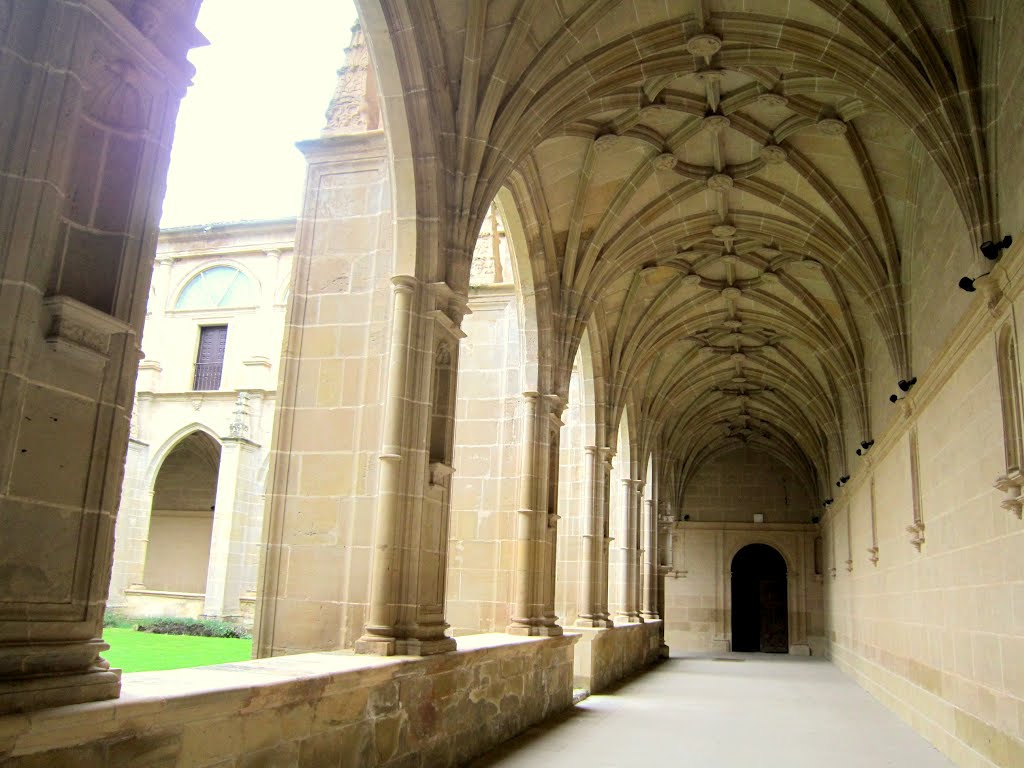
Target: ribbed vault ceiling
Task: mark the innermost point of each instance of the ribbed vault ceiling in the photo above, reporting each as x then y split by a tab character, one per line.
716	192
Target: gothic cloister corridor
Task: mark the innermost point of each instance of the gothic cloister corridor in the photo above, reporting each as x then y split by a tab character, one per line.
730	710
753	275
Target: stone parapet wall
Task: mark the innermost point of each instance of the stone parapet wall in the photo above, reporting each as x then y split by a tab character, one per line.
311	709
605	656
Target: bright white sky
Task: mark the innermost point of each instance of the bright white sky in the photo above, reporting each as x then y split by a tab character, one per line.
262	84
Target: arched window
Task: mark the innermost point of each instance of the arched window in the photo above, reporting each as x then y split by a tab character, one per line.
218	287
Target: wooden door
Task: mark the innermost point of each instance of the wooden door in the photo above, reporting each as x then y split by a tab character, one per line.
210	357
774	635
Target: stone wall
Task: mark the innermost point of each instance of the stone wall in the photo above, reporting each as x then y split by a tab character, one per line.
605	656
322	486
924	586
488	427
309	710
745	482
698	600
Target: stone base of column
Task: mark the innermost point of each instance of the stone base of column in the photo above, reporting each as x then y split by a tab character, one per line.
534	630
44	691
410	646
649	615
720	645
664	651
629	618
593	622
800	649
51	674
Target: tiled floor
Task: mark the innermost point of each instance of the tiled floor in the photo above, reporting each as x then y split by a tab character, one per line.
744	710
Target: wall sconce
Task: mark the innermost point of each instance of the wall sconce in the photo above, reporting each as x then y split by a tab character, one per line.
991	250
967	283
865	445
904	385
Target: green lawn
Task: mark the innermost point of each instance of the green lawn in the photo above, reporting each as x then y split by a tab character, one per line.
145	652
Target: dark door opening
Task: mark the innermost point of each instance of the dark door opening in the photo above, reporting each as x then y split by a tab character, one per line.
759	600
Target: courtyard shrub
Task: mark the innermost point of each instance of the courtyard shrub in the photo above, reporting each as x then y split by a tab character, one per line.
169	625
166	625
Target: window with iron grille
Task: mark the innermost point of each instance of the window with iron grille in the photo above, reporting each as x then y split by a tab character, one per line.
210	357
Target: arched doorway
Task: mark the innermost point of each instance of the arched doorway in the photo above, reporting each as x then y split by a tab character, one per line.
180	527
759	600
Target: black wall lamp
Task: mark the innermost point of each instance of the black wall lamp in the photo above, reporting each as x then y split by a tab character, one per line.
826	502
991	250
865	445
904	385
967	283
842	481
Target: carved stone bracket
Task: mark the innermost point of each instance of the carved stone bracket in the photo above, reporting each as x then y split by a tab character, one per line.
916	532
438	473
873	555
239	426
76	328
1011	484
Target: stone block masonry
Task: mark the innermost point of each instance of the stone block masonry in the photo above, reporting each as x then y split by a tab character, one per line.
314	709
605	656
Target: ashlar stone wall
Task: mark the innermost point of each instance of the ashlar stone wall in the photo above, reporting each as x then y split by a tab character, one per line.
312	710
321	505
924	587
698	587
488	428
739	484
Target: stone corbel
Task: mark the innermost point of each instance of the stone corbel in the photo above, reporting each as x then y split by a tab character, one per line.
832	572
553	518
439	473
849	566
873	555
555	407
906	407
78	329
916	532
1011	484
991	287
453	306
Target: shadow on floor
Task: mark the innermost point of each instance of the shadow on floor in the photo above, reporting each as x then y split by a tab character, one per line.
573	714
529	736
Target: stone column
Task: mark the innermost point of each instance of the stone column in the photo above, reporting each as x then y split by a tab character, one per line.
132	527
649	598
629	552
555	406
407	586
590	604
238	456
602	499
530	614
89	96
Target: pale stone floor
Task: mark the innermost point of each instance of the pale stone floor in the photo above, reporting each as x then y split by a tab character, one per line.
751	711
